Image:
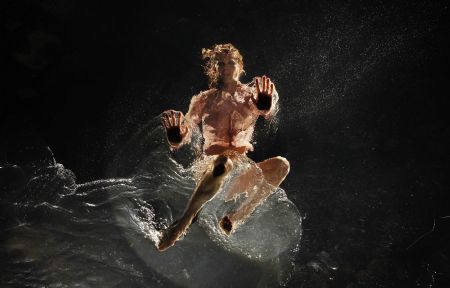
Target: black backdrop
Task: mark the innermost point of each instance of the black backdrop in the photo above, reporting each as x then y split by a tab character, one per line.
363	90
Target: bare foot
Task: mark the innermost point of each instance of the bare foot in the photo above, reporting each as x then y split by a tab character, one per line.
169	237
226	225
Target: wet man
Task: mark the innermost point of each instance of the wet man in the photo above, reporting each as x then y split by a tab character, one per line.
227	113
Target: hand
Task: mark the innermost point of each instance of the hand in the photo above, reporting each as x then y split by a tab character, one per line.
263	100
172	121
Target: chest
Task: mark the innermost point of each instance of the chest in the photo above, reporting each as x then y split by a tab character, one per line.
224	103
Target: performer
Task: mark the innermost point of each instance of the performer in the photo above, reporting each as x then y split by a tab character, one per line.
227	113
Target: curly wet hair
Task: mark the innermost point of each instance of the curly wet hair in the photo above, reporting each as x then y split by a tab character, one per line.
211	57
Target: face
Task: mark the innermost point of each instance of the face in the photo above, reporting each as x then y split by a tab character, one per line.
228	68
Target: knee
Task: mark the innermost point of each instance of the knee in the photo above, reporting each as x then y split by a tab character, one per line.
283	165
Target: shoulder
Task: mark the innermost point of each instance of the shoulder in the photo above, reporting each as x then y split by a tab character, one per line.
203	95
201	98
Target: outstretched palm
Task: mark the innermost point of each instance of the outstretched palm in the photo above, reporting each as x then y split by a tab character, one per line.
172	121
264	93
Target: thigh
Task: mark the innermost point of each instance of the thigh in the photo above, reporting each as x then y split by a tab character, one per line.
275	169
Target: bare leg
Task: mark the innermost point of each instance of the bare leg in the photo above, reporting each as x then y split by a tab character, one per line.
274	171
244	182
207	188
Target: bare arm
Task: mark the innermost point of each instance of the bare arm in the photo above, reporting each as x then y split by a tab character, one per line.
178	127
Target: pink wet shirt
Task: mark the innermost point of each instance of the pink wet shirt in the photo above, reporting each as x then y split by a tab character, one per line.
228	121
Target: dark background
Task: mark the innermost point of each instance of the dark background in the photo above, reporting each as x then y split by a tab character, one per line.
363	96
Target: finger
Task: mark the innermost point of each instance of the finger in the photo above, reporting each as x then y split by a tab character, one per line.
264	84
271	89
163	123
171	112
179	118
168	120
257	86
267	84
184	130
166	123
174	119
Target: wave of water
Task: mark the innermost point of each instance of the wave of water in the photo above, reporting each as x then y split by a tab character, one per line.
59	233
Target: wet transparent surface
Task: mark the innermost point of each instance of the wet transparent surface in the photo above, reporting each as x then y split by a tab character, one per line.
363	119
104	233
56	232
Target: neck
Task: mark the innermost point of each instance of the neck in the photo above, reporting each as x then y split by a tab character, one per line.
229	86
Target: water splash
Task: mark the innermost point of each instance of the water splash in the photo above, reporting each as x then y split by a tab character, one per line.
104	232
